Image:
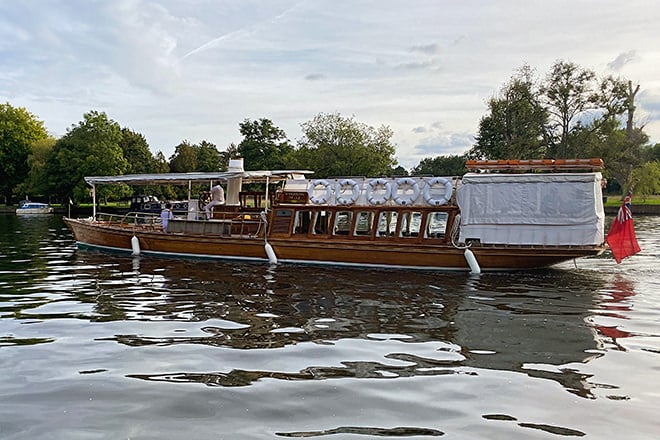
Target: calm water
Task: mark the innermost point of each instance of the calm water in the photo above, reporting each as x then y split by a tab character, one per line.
103	346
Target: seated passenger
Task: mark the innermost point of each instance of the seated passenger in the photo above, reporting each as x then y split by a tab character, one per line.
217	198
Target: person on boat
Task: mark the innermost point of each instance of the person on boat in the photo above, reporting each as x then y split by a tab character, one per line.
217	198
166	215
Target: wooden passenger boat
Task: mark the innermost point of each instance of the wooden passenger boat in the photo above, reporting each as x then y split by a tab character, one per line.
533	216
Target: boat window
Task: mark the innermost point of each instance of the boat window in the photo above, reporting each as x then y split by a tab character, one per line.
301	222
321	222
410	224
342	222
436	225
364	223
386	224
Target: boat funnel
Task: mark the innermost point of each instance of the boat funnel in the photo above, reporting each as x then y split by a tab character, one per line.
236	165
234	184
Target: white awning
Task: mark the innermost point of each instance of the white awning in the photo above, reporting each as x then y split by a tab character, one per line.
185	178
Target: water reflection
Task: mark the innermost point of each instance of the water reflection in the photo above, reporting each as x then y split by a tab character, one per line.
421	323
337	322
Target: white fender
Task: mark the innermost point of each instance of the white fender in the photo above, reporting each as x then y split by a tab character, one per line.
449	189
472	262
355	192
135	245
401	200
325	197
272	258
371	187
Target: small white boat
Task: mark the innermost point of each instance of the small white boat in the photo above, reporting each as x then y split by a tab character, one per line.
34	208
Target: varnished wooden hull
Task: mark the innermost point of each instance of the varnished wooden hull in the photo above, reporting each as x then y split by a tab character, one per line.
372	253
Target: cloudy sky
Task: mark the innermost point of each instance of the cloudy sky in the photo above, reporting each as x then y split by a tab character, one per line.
194	69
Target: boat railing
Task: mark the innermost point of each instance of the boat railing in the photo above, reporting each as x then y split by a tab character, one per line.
135	219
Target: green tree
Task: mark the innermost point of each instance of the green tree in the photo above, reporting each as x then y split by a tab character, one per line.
90	148
452	165
184	159
36	182
569	91
516	124
161	165
136	151
646	179
264	146
333	145
209	158
18	130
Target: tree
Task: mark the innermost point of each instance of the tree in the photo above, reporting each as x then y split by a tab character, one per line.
453	165
647	179
136	151
264	146
568	92
336	146
516	125
18	130
184	159
37	180
208	157
90	148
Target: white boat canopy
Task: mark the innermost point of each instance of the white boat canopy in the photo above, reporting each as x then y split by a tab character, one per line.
274	176
186	178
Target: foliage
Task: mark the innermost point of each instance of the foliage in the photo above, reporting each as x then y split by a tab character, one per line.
453	165
184	159
90	148
188	157
208	157
18	130
136	151
336	146
516	125
36	182
647	179
264	146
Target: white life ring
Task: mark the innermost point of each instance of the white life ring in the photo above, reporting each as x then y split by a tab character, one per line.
400	199
344	199
449	189
325	197
372	185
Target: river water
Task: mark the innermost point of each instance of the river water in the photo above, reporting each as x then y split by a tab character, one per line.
98	345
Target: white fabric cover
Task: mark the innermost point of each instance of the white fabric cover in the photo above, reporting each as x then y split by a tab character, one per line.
532	209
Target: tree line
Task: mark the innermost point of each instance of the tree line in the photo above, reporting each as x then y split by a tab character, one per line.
568	113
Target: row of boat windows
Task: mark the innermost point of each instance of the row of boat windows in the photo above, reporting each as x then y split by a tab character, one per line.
366	223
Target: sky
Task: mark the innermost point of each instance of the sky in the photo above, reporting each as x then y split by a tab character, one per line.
194	70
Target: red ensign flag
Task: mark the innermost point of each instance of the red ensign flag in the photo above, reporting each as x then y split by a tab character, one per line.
621	238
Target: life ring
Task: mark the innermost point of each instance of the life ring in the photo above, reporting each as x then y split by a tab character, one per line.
325	197
372	185
400	199
355	192
449	189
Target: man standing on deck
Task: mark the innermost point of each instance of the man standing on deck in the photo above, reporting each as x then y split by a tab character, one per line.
217	198
166	215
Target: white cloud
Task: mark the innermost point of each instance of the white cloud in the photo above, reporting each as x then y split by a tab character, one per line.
194	70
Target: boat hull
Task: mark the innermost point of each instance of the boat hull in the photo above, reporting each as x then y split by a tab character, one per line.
368	253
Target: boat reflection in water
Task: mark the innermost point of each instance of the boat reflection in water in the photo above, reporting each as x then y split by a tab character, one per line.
302	323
